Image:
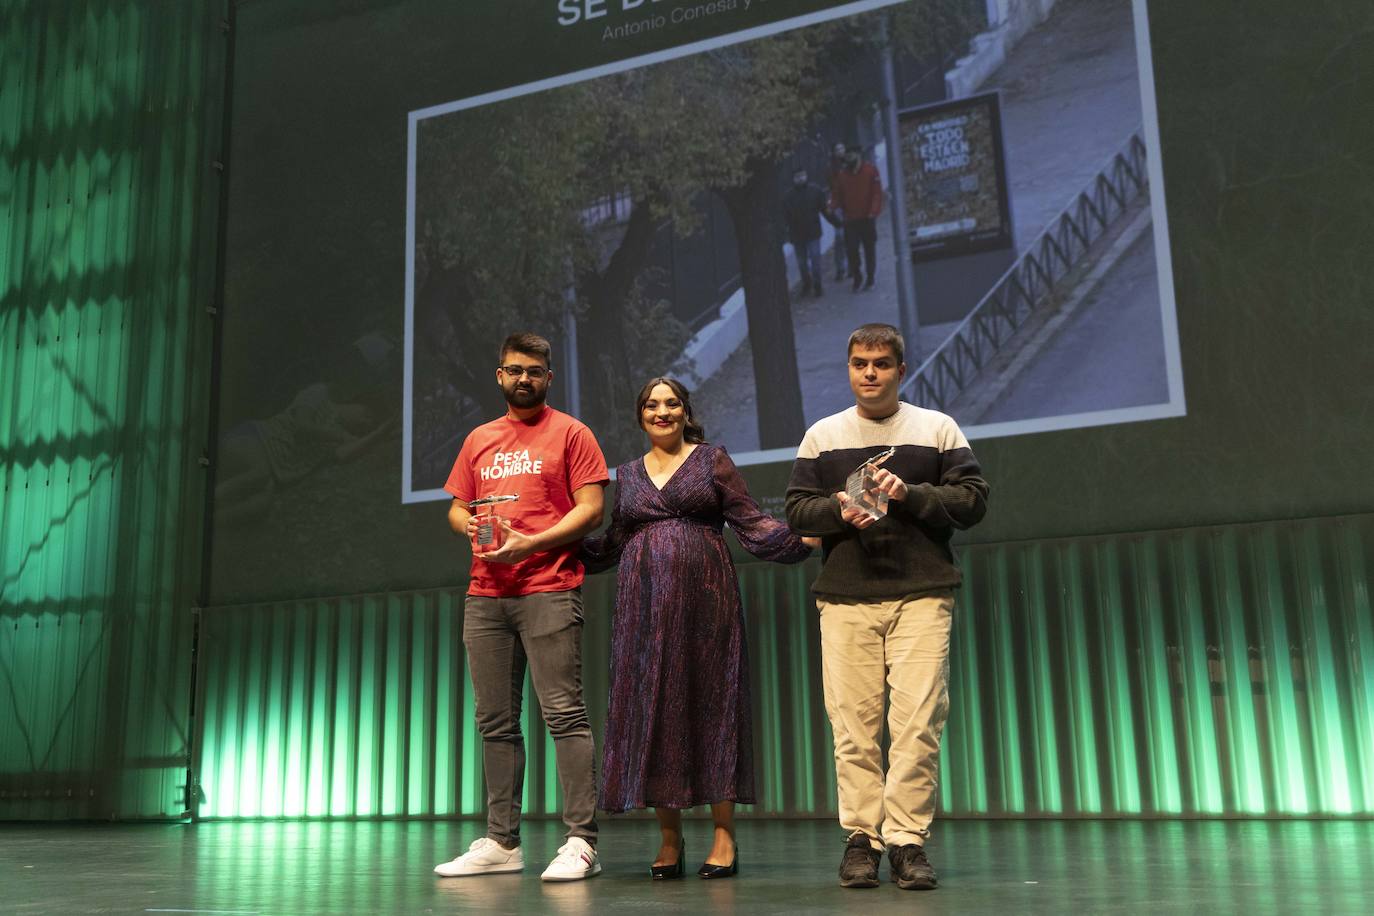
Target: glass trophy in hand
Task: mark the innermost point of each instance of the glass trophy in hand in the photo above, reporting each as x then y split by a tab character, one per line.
490	535
862	490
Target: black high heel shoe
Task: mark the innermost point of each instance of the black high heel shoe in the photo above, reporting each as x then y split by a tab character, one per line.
708	870
665	872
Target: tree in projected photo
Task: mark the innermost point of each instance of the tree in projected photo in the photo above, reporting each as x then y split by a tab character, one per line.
546	207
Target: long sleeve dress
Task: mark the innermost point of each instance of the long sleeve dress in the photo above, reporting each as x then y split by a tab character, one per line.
678	726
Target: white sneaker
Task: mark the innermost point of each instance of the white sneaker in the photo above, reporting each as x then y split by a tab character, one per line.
576	860
484	857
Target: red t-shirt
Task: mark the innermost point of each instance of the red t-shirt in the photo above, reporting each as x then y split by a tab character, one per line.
543	459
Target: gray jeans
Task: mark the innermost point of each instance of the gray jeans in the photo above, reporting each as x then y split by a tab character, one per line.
544	632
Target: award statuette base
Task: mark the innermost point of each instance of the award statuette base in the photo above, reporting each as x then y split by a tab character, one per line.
488	532
862	489
490	535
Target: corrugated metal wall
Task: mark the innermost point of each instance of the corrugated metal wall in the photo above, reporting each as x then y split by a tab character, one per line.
1213	671
1218	671
106	267
362	706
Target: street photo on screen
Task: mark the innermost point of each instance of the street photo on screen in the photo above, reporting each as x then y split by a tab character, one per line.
983	175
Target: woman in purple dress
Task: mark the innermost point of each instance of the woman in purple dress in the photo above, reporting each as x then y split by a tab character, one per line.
678	728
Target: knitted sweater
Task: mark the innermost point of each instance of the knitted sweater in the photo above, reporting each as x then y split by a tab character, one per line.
908	551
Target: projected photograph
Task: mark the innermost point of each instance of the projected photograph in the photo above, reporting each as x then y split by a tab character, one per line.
727	212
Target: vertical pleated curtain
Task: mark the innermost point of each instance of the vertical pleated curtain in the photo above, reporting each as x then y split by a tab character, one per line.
1210	672
109	118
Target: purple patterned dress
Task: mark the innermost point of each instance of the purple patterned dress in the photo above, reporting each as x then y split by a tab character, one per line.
678	726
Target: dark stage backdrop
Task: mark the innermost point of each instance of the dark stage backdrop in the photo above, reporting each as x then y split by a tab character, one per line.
380	245
1270	320
1166	616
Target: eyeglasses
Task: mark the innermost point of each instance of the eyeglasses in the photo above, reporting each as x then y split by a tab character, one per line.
534	372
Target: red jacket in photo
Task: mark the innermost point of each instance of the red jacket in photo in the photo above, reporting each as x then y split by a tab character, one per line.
857	194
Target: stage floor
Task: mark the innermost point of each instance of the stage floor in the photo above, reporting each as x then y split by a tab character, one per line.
1001	867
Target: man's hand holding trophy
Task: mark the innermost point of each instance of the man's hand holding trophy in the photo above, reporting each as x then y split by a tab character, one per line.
868	490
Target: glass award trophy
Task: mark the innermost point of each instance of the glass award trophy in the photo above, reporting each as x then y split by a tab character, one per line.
860	487
490	535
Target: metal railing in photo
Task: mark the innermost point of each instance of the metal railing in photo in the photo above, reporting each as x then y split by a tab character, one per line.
1031	281
613	207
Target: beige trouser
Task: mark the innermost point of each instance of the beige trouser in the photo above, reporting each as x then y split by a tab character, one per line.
901	644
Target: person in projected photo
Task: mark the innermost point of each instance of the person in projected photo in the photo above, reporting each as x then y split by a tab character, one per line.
678	728
856	192
803	207
886	600
839	251
524	606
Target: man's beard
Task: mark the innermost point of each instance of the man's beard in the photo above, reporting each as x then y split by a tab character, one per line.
524	398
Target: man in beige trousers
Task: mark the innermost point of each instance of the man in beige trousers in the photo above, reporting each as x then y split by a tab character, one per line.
886	600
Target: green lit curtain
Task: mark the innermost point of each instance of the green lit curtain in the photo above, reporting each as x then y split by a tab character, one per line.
1204	672
109	111
1211	671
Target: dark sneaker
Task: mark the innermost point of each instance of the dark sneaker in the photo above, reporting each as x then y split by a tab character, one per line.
859	867
911	870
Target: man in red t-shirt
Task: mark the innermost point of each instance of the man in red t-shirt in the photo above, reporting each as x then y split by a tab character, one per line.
524	606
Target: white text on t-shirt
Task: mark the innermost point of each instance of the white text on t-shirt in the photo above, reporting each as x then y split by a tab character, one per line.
511	464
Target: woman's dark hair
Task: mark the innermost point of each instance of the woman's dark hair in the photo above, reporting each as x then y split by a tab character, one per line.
692	431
